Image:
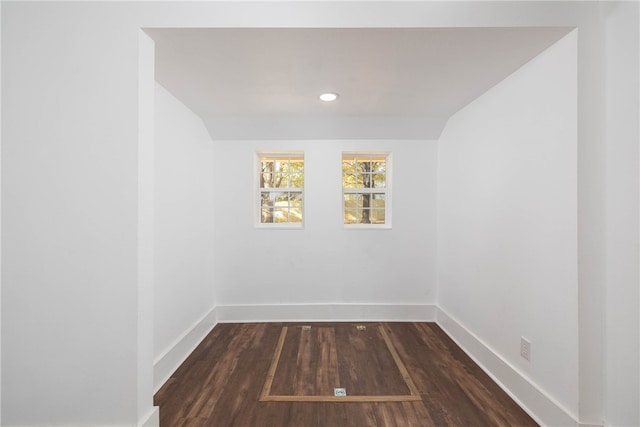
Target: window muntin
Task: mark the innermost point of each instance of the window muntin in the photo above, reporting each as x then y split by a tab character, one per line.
365	185
281	188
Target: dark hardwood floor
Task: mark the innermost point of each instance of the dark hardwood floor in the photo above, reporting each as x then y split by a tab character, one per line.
284	374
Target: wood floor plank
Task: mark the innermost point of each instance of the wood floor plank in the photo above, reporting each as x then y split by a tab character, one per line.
436	379
318	356
235	403
274	364
363	357
222	381
306	364
284	378
218	376
399	363
327	373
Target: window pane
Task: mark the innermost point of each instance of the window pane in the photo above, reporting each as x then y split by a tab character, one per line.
281	215
364	208
350	216
348	166
282	199
364	216
379	167
377	201
349	181
295	215
296	166
364	180
377	216
297	180
266	174
267	199
279	165
379	180
267	165
295	199
367	180
266	216
281	172
280	180
352	201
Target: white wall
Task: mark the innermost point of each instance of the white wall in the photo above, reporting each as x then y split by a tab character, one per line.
184	200
0	211
508	220
69	190
69	201
324	263
146	232
621	320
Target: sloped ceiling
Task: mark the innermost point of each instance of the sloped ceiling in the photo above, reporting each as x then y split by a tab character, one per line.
393	83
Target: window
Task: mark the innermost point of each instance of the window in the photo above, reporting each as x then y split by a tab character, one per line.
366	189
281	188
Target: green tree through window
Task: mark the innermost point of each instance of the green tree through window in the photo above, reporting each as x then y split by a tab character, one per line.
281	188
364	187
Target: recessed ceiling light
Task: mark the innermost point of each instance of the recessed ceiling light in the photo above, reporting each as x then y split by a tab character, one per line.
329	96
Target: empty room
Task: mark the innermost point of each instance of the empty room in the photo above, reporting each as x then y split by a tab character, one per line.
320	214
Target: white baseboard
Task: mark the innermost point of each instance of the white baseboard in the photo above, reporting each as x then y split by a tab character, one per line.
165	364
541	407
326	313
153	419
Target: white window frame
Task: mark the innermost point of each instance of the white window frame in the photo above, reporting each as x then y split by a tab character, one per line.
388	155
259	155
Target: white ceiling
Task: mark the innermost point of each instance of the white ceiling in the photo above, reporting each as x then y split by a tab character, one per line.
407	81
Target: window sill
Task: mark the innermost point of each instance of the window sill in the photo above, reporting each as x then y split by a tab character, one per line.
367	226
279	226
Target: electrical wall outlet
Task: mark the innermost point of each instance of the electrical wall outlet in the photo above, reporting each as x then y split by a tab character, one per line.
525	348
339	392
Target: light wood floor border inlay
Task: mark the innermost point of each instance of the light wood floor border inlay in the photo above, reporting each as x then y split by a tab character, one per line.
221	382
399	363
274	365
412	397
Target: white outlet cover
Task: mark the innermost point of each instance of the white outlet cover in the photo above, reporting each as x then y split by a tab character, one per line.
340	392
525	348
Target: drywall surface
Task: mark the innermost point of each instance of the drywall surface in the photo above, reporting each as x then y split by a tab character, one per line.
621	321
69	189
146	232
184	200
0	211
323	262
507	220
69	136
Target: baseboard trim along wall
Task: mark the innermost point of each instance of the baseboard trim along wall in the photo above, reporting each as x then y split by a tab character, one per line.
541	407
326	313
153	419
166	363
